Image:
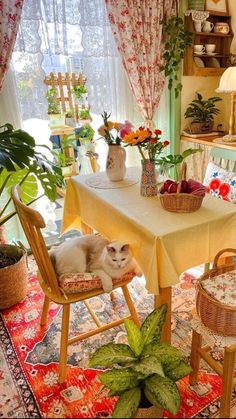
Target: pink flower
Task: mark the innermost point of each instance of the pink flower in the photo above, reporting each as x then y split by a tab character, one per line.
125	129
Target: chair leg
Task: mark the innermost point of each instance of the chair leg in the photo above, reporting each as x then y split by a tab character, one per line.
64	342
45	311
195	357
130	304
227	385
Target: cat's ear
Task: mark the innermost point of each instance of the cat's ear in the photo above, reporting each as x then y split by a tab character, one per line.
125	248
111	249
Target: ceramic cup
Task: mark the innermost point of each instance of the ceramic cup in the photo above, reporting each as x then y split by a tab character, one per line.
210	48
198	26
199	49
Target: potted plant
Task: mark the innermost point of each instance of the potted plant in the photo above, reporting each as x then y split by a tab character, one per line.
70	118
84	134
21	164
84	115
65	156
80	93
202	114
144	373
57	119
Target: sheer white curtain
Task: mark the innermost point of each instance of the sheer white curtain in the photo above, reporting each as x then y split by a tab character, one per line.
72	35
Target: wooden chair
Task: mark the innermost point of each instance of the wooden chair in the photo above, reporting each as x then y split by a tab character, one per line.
226	372
224	158
32	223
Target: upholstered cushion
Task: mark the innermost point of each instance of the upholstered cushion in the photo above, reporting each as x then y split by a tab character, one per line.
80	282
222	288
220	182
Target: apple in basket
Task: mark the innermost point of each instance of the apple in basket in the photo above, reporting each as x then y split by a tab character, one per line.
190	186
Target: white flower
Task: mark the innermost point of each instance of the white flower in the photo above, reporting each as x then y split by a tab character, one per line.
50	378
29	333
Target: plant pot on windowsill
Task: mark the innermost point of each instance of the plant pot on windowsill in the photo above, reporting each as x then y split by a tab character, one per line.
67	170
57	120
70	121
200	127
13	275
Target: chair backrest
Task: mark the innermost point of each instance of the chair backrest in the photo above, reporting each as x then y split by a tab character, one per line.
32	222
224	158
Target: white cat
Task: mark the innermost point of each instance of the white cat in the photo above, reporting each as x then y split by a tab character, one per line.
94	253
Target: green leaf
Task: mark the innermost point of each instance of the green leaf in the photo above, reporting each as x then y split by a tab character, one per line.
153	323
179	371
110	354
119	380
29	186
134	336
148	366
164	352
191	151
127	404
165	392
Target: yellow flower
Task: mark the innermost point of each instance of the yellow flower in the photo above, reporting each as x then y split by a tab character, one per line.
136	137
117	125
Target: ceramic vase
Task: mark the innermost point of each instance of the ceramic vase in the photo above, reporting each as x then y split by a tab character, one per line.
115	164
148	186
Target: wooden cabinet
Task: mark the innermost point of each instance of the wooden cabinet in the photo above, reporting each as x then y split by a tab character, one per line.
208	65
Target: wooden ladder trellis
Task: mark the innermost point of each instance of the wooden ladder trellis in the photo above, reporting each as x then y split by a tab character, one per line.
63	85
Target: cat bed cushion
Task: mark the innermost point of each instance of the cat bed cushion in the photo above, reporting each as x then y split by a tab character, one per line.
220	183
222	288
73	283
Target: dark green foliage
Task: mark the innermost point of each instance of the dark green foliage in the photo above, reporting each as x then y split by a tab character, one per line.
147	366
201	110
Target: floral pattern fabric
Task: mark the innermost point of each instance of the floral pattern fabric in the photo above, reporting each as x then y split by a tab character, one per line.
82	282
222	288
220	183
10	13
137	28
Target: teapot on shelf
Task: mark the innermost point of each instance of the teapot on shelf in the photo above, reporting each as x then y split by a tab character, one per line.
207	26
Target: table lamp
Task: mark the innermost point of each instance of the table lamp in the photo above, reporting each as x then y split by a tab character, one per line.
228	85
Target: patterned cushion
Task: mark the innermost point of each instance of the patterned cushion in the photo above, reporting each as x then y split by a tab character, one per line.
81	282
220	182
222	288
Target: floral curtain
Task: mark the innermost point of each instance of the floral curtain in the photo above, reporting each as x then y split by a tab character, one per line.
10	13
137	28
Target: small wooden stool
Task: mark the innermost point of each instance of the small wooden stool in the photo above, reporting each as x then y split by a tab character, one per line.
226	372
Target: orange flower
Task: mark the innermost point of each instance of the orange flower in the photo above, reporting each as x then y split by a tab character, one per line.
136	137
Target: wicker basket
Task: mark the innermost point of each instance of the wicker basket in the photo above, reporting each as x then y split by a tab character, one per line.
217	316
181	202
13	280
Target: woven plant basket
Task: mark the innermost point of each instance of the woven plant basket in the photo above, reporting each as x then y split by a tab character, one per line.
200	127
13	279
150	412
181	202
217	316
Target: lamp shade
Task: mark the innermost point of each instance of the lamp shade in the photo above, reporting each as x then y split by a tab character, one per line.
228	81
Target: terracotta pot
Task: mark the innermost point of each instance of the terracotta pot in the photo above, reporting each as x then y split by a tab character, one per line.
115	164
148	186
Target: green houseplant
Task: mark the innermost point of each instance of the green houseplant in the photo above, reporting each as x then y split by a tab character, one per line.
79	91
144	369
84	133
176	38
20	163
84	114
174	161
202	113
57	118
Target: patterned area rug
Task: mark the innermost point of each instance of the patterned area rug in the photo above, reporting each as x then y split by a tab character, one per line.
29	357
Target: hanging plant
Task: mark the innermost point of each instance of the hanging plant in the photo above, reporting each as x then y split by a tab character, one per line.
176	39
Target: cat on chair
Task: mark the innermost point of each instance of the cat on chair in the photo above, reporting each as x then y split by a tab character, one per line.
93	253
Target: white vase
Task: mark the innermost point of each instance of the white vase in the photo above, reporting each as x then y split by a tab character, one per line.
115	164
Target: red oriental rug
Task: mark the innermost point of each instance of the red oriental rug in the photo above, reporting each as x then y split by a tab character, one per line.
29	358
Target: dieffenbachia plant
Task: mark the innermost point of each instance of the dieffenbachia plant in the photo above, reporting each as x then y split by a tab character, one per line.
145	365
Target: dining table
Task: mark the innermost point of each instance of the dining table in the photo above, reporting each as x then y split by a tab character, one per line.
165	244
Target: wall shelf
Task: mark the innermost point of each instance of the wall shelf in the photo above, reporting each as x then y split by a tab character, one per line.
208	67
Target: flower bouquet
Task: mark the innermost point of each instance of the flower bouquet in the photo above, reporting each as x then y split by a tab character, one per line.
112	132
150	147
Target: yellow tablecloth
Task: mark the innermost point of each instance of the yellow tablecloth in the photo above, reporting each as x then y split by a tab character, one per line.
164	243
